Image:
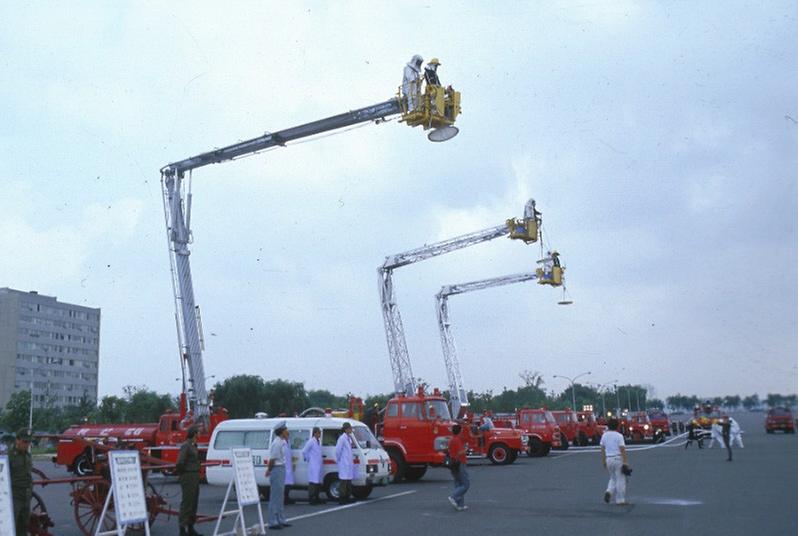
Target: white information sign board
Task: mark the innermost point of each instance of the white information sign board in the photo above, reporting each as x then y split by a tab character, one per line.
246	486
130	504
6	509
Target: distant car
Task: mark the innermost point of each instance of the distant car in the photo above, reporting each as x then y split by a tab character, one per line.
780	419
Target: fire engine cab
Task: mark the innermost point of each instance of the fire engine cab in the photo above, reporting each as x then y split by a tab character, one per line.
539	424
415	431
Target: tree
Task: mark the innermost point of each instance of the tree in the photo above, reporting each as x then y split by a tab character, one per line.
534	379
774	400
17	411
731	401
751	402
112	409
321	398
283	397
242	396
145	405
655	403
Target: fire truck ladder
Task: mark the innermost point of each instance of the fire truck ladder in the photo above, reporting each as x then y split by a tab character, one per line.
458	396
177	213
525	229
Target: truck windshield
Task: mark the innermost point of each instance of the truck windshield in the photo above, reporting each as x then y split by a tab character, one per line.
550	418
437	409
365	438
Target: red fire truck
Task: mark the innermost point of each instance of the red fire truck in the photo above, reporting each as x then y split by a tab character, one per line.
589	430
415	431
569	426
636	426
160	440
539	424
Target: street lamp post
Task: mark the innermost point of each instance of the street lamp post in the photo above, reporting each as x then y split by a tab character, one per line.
572	380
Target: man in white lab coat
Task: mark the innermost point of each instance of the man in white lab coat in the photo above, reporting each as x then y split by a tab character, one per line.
311	453
345	461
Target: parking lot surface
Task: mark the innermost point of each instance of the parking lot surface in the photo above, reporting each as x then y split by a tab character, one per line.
673	491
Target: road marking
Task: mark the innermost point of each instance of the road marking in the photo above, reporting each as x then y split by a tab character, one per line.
671	502
629	448
345	506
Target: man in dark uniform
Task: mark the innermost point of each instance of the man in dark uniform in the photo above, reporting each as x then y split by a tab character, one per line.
188	467
692	435
725	428
20	465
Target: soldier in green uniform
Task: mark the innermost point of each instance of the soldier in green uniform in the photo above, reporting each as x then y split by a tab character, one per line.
188	467
20	464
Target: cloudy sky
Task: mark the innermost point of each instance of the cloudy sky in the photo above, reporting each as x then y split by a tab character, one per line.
659	140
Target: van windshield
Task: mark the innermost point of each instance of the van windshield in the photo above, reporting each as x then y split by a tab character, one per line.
365	438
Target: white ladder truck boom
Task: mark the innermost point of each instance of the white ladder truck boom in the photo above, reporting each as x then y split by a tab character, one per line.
458	396
435	108
525	229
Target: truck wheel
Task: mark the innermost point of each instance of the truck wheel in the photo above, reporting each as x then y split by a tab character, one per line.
362	492
414	473
398	467
536	448
563	442
582	439
83	466
546	449
499	454
332	487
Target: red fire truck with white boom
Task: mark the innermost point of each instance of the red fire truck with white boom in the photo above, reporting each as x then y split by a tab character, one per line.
435	108
413	449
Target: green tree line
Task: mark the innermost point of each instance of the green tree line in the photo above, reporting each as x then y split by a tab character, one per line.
245	395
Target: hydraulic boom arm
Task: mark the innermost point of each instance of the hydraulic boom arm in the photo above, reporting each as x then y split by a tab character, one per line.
404	381
458	396
177	213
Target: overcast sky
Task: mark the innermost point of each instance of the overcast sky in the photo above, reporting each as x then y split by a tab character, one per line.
659	140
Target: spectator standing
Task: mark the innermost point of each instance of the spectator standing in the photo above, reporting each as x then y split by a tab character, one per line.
458	462
613	458
20	464
725	430
276	474
346	465
188	470
311	453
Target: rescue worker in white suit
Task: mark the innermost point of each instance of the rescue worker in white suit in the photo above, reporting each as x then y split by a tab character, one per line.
736	433
311	453
411	82
715	434
346	464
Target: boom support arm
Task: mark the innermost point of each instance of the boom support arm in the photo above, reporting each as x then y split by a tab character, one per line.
404	381
458	396
362	115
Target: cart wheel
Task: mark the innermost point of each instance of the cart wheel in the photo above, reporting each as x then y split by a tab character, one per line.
39	520
88	501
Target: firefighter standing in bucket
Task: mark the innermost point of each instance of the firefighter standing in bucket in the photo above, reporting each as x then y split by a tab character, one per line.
20	465
188	469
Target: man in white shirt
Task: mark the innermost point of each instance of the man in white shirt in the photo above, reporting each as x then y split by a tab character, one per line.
276	474
613	458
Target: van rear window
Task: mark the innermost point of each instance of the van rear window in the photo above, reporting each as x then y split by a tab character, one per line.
236	439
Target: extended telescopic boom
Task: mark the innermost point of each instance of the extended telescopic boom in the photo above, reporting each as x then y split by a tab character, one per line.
525	229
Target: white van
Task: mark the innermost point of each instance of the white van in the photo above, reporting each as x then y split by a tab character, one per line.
371	461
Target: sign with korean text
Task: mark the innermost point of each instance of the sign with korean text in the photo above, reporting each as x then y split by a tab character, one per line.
246	486
130	504
6	510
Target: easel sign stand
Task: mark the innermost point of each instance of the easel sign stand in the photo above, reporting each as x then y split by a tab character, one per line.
127	489
246	495
6	509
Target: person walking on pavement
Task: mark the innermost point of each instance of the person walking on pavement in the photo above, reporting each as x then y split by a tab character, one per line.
458	462
188	470
20	465
311	453
276	474
725	427
345	461
614	460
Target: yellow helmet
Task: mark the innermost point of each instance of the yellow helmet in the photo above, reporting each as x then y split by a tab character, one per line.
434	61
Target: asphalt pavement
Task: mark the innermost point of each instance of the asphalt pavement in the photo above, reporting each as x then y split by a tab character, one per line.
673	491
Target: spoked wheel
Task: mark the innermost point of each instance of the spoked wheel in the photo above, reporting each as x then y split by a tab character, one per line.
88	500
39	519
